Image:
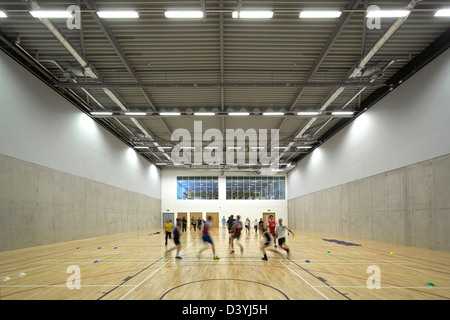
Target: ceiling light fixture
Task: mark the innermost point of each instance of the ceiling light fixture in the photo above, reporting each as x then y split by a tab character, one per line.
204	114
442	13
135	113
3	14
320	14
184	14
118	14
101	113
169	113
50	14
252	14
342	113
308	113
238	114
273	113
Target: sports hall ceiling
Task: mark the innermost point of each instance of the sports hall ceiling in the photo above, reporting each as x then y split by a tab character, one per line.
221	64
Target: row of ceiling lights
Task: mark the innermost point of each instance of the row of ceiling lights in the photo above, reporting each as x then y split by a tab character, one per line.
300	113
244	14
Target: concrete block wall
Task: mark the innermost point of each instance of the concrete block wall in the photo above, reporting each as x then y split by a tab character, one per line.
40	205
407	206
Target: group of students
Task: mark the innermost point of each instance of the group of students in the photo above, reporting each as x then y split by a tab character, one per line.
206	237
274	232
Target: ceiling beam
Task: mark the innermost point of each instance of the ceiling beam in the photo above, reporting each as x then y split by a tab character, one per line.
140	85
112	39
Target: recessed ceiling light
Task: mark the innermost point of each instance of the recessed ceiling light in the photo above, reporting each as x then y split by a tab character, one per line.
101	113
238	113
308	113
50	14
273	113
169	113
184	14
135	113
320	14
118	14
204	113
442	13
342	113
252	14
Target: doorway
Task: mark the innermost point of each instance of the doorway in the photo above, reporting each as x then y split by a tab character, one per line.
215	218
196	216
181	215
168	215
266	216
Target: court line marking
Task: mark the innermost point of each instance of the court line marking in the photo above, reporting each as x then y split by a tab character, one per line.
144	280
155	271
304	280
418	270
64	285
250	281
389	287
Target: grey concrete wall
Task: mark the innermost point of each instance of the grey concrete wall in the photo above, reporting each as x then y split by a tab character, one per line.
407	206
39	205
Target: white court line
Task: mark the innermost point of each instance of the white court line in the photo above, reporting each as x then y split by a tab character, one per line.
154	272
420	270
304	280
393	287
144	280
65	285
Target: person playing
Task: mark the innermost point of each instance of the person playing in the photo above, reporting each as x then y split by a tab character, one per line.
176	239
255	225
230	223
247	226
267	235
168	228
199	224
236	233
206	237
223	222
261	224
194	223
184	224
271	224
280	233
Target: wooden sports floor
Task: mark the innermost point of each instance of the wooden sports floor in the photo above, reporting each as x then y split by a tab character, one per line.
133	266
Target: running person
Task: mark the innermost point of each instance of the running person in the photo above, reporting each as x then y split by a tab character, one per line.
176	239
236	233
266	234
206	237
247	226
168	229
271	223
230	223
280	233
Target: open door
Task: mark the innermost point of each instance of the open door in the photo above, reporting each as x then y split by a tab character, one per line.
196	216
182	215
266	216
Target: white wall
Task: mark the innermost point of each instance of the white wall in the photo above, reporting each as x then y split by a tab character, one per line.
409	125
39	126
251	209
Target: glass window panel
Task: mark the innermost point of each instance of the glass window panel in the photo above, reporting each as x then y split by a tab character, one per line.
282	189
